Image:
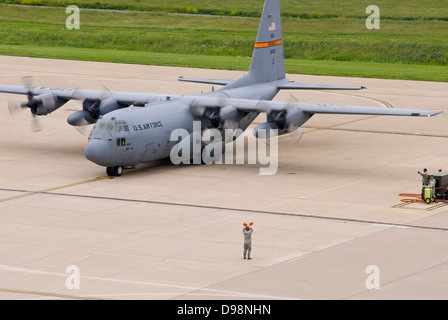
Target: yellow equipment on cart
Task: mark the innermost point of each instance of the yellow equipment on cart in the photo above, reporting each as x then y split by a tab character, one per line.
428	194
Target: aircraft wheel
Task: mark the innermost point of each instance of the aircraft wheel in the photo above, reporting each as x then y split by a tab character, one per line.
118	171
114	171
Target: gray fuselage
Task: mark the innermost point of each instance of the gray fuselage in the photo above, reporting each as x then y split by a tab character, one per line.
129	136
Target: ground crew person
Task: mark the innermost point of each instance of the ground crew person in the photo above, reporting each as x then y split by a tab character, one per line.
432	184
425	180
247	232
425	177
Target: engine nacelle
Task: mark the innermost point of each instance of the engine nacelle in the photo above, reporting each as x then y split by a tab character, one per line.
108	105
284	122
295	117
92	110
266	128
229	112
46	103
80	118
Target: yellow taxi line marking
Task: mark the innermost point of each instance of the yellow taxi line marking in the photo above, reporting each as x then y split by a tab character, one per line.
340	124
388	105
437	206
52	189
401	205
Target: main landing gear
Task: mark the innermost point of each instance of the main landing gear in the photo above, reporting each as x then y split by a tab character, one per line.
114	171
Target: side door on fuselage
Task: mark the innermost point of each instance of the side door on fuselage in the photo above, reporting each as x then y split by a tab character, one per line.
123	142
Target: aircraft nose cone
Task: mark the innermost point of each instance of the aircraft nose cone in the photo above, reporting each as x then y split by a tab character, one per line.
98	152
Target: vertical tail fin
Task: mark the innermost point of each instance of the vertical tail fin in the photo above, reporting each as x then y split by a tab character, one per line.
267	63
267	60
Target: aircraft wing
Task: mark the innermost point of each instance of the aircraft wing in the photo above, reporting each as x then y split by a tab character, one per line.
343	109
125	98
62	93
360	110
43	101
245	105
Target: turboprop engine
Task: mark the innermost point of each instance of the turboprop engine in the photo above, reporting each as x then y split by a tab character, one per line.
44	104
39	105
221	116
92	110
282	122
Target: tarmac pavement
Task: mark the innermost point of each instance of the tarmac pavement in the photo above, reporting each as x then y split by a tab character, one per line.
330	224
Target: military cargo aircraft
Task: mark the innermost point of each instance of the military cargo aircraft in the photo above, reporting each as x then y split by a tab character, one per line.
133	128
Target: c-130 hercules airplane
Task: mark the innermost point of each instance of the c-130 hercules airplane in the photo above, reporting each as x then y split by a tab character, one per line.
133	128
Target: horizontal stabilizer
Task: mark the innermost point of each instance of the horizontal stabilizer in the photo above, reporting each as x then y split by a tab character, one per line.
208	81
312	86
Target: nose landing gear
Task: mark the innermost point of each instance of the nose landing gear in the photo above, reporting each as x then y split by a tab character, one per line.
114	171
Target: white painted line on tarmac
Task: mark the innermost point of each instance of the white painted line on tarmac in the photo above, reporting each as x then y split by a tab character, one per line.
178	289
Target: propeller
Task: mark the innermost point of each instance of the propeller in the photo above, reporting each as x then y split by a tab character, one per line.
16	107
221	116
294	136
197	109
289	139
280	119
91	110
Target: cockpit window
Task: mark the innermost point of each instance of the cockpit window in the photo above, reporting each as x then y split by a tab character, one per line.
109	126
116	126
121	126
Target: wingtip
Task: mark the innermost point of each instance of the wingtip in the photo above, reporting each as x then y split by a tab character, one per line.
434	113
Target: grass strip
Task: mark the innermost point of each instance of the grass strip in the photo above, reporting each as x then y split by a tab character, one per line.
293	66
